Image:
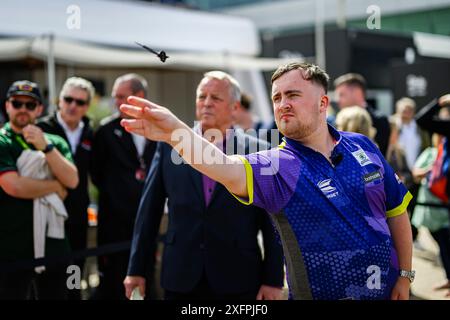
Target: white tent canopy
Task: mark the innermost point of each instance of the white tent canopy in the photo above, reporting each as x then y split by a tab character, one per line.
102	33
84	54
121	23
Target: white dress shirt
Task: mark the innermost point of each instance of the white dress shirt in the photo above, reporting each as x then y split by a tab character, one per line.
72	135
139	142
410	141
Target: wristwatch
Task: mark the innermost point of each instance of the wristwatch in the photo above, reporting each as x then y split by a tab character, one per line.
48	148
408	274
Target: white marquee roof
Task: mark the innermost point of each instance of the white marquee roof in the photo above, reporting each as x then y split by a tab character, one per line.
122	23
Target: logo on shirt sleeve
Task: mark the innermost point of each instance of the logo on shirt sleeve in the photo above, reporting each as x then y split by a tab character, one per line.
361	157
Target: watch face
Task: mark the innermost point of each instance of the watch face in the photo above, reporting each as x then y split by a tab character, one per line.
48	148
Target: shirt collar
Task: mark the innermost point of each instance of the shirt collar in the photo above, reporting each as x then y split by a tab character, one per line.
9	132
411	126
297	145
65	126
6	129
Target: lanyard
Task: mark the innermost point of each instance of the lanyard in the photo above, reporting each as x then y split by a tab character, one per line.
21	142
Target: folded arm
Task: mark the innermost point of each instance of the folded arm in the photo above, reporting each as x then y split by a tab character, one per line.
63	170
28	188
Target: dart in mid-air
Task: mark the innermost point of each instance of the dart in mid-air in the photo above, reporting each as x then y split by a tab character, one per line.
161	55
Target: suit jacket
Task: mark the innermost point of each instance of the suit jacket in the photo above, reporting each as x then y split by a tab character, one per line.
219	240
77	200
115	162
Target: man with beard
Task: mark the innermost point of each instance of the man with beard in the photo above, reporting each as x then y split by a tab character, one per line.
338	206
17	192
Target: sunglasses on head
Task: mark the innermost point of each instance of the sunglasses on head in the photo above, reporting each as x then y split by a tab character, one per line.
30	105
78	102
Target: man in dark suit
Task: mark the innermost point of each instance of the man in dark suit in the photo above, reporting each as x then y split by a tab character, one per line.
211	247
120	163
350	90
71	123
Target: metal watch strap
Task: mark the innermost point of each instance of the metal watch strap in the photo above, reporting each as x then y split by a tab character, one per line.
408	274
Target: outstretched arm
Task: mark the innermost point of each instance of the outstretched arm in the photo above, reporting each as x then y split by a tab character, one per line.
426	117
157	123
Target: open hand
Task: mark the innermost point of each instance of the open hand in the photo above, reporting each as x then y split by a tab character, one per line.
150	120
444	100
269	293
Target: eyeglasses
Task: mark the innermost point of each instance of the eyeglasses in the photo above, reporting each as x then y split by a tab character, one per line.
78	102
30	105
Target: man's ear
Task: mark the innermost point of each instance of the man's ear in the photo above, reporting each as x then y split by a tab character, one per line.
324	102
235	106
7	106
39	110
235	110
140	94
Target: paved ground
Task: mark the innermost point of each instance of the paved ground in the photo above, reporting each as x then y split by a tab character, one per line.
429	271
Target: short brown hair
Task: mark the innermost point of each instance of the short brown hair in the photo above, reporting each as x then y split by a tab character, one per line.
137	82
351	79
311	73
246	101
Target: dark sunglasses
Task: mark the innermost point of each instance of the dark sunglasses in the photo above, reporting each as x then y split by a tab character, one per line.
30	105
78	102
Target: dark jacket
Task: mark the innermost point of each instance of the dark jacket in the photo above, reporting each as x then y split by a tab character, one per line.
427	119
77	200
115	163
219	240
381	123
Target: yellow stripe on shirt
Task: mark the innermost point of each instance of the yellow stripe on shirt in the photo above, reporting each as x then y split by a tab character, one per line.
249	179
401	208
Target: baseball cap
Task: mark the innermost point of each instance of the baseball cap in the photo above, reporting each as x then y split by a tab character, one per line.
24	88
